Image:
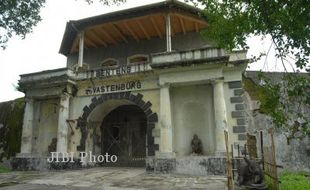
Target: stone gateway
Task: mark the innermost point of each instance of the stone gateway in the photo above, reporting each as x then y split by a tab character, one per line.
138	84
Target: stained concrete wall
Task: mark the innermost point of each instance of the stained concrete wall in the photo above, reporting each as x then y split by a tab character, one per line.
192	108
292	156
122	51
45	125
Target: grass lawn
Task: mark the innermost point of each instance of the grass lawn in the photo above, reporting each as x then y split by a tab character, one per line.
292	181
4	170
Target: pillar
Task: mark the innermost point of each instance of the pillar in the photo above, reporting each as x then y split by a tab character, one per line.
220	116
168	32
63	115
165	121
27	133
81	49
165	161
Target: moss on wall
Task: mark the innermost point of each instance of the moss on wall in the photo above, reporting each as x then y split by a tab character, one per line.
258	93
251	88
11	122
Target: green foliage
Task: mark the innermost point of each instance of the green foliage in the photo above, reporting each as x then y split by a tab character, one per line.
4	170
290	180
287	22
269	182
270	100
11	116
296	181
231	22
107	2
18	17
288	103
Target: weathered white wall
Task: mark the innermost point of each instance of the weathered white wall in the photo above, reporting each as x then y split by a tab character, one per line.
149	91
192	109
230	75
45	124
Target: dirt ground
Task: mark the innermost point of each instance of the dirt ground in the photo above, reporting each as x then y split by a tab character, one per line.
107	179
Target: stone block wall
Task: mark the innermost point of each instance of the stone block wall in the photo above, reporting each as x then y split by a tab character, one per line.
292	156
238	113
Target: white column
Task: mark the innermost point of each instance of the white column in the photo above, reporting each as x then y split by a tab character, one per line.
81	49
220	116
168	32
165	121
27	133
63	115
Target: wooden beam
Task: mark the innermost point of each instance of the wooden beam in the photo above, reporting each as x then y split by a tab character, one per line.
196	26
96	37
182	24
156	28
108	35
194	19
119	32
143	30
75	45
90	42
131	31
124	20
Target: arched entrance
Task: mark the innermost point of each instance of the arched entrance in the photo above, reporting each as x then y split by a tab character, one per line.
135	104
123	133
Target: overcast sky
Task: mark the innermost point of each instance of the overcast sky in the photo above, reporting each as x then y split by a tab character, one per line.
39	51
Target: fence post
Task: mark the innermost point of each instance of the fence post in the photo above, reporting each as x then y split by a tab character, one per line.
229	164
262	149
274	166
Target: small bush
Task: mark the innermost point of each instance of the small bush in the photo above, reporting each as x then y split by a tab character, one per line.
4	170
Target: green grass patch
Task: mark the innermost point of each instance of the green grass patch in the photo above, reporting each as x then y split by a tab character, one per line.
269	182
291	181
296	181
4	170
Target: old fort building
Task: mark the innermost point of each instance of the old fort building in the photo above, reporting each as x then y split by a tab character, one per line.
139	84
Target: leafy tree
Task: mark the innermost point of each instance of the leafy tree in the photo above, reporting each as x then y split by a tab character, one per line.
108	2
288	103
287	22
11	122
18	17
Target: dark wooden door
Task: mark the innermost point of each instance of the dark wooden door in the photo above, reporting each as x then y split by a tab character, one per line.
124	135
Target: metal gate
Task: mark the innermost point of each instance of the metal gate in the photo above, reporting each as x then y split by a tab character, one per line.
126	140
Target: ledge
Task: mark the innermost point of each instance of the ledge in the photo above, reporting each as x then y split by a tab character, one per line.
209	55
47	74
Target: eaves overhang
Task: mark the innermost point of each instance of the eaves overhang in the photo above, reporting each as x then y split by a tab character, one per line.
100	30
